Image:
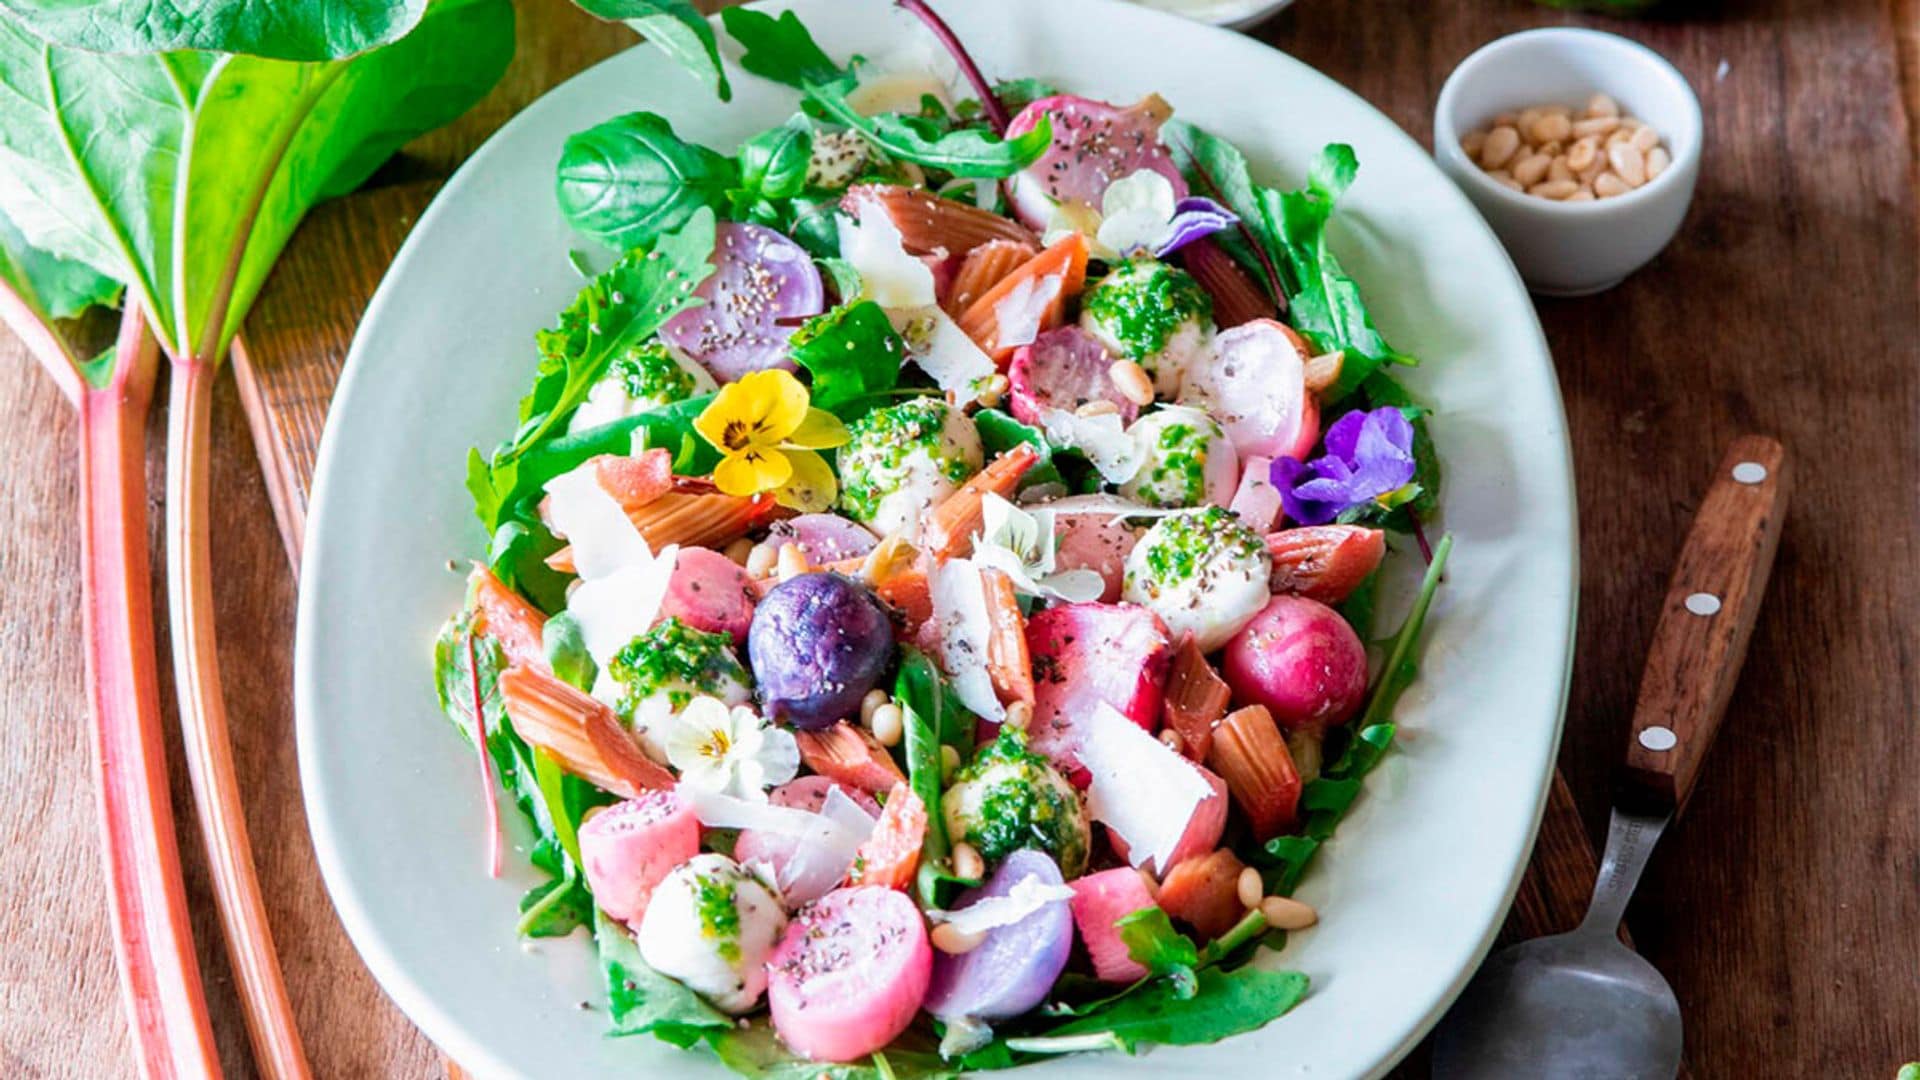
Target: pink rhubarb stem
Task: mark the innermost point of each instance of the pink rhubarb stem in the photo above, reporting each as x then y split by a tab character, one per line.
35	332
153	938
203	721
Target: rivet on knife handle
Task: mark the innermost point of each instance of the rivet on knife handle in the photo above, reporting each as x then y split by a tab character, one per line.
1704	625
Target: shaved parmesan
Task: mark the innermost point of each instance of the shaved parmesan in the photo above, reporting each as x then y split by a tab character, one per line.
1103	439
591	520
615	609
960	613
828	841
1027	896
940	348
1018	313
891	277
1140	789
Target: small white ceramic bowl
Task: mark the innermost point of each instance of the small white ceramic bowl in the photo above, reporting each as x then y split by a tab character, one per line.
1562	248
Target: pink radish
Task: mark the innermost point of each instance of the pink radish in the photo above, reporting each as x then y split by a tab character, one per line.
1203	830
1301	660
1085	654
822	538
1094	541
709	591
849	974
1063	369
1094	144
1099	901
1255	384
808	793
761	286
630	847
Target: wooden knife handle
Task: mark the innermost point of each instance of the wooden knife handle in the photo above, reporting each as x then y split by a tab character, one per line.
1704	626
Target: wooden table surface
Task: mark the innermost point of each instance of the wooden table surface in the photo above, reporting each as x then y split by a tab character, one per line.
1785	908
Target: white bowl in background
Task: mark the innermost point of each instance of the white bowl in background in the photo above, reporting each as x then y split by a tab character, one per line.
1573	248
1232	14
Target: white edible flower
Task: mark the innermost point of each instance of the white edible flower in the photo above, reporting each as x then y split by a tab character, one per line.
729	750
1020	543
1135	214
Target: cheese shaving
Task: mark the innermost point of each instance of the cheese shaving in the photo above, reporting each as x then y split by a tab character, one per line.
960	613
604	539
891	277
1140	789
1019	312
1027	896
937	345
1103	439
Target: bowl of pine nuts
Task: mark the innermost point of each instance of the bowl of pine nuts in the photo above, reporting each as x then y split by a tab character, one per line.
1579	147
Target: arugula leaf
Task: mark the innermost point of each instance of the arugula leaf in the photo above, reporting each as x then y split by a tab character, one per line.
271	28
1153	943
642	1001
677	27
1328	796
780	48
850	351
1221	1003
517	554
755	1051
627	181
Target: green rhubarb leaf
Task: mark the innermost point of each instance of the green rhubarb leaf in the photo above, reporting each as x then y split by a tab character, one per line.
280	29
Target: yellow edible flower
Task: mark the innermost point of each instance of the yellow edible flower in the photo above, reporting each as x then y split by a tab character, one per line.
767	433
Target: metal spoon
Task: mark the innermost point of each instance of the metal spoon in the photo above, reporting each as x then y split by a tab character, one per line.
1581	1005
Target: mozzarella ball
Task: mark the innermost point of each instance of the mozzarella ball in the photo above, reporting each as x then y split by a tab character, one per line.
660	671
901	460
1185	460
648	377
1201	571
1153	314
711	924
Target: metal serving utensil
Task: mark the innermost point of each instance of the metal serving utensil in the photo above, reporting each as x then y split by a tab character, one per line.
1581	1005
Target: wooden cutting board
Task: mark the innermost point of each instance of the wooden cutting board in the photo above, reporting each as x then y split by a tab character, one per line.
291	356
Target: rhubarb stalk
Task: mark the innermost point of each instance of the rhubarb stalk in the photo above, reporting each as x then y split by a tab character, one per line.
146	901
203	723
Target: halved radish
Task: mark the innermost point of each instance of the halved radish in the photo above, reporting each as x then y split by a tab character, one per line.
1094	144
1203	829
761	286
1094	540
808	793
1204	893
1064	369
822	538
1099	901
1255	385
849	974
631	846
1257	502
1085	654
709	592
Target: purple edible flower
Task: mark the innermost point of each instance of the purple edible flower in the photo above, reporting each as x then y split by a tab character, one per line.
1194	217
1369	454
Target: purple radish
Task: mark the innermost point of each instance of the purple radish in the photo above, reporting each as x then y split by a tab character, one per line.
1064	369
1014	966
761	286
1255	385
709	592
849	973
1094	144
808	793
630	847
822	538
1099	901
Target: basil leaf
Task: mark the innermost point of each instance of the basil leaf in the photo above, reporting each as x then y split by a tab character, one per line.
780	49
773	164
850	351
630	180
677	27
566	649
918	692
270	28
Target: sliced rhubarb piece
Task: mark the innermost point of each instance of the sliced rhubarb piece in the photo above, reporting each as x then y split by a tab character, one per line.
1196	699
891	856
581	733
1008	662
1325	562
849	754
951	525
1204	893
1099	901
929	223
1251	755
983	268
506	617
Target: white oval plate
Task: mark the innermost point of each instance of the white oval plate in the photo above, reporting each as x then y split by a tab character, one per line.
1414	887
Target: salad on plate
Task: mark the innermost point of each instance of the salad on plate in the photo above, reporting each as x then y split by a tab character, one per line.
925	610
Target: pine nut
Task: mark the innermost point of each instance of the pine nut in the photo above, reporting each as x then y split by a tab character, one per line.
739	550
1132	381
967	862
1608	186
1602	105
760	561
1471	142
1102	407
1286	913
1657	161
1502	176
1172	740
1583	195
793	562
1551	149
1524	122
1593	170
949	763
1561	169
1621	136
1502	143
1628	163
874	699
1597	126
1582	153
1554	189
1552	127
1645	139
889	725
1250	888
1530	170
951	940
1020	715
1505	119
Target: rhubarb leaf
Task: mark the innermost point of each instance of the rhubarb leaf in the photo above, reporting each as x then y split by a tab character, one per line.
273	28
50	286
677	28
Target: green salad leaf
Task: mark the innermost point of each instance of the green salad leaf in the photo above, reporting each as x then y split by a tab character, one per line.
918	690
1154	944
850	351
1162	1013
773	164
677	28
566	649
754	1051
269	28
644	1002
630	180
780	48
